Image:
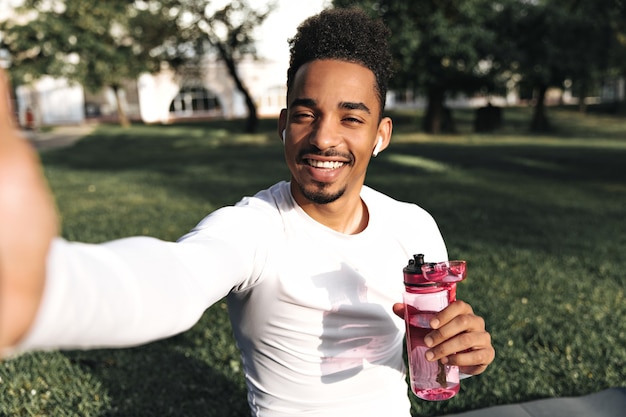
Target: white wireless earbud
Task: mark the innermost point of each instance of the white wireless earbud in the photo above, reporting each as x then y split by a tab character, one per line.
284	134
378	146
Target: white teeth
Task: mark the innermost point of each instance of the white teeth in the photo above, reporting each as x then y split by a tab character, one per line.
325	164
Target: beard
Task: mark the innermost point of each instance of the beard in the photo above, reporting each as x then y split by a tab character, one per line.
317	192
320	195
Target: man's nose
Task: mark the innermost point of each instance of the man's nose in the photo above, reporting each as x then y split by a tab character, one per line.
325	135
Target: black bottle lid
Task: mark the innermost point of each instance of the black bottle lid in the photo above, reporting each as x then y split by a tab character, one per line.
413	275
415	264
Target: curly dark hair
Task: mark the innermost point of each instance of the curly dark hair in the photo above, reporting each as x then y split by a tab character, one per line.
347	35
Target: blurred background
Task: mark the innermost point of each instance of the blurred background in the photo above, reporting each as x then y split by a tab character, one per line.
148	61
161	61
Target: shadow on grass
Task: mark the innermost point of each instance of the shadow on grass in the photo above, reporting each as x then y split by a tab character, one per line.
573	162
565	123
197	159
143	383
490	181
187	375
193	160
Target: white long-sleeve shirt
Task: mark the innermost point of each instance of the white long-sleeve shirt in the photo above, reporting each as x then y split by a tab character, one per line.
311	308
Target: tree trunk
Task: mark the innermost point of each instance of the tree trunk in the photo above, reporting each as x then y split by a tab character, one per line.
582	105
438	118
253	119
121	114
540	121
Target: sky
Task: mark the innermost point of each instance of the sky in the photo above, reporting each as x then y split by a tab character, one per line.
281	25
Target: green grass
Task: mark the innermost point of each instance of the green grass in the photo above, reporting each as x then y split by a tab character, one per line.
540	218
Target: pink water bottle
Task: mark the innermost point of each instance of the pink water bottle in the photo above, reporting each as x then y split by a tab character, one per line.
430	287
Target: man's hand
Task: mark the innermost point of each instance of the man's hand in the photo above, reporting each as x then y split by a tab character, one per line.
458	338
28	223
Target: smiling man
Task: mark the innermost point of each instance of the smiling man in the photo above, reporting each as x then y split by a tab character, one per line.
332	126
311	267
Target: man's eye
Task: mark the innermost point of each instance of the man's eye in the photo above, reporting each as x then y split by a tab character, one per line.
303	116
353	120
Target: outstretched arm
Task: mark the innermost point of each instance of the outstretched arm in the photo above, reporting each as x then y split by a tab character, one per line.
28	223
56	294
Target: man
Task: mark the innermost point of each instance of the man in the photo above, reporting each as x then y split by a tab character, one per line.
311	267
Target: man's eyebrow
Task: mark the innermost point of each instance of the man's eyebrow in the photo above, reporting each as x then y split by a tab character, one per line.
306	102
354	106
346	105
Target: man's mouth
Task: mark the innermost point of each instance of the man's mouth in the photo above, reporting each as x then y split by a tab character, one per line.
324	164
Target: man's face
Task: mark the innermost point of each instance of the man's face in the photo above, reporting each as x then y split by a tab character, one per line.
332	126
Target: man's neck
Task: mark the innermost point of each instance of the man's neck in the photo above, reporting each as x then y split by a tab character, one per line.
348	214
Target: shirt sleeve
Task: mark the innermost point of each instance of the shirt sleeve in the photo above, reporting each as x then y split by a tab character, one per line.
139	289
128	292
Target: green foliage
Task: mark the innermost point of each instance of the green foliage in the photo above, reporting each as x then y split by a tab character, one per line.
227	30
104	44
539	218
435	42
549	42
446	47
439	46
96	44
201	28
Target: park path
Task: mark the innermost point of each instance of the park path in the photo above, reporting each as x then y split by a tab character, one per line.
58	136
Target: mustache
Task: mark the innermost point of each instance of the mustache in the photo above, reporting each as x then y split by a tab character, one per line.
328	153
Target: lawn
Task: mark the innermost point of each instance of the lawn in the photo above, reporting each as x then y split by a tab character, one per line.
540	219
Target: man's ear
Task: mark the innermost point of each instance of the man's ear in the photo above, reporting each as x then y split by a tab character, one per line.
385	128
282	125
378	146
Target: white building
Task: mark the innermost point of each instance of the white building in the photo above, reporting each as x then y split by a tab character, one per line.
51	102
209	91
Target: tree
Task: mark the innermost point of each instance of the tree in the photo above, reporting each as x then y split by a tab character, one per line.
227	31
103	44
617	52
548	42
98	45
441	47
446	46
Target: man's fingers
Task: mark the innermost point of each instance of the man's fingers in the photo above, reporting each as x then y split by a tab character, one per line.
453	311
473	370
398	310
458	338
448	345
6	106
475	361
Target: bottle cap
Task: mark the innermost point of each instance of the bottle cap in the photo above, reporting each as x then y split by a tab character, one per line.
413	275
